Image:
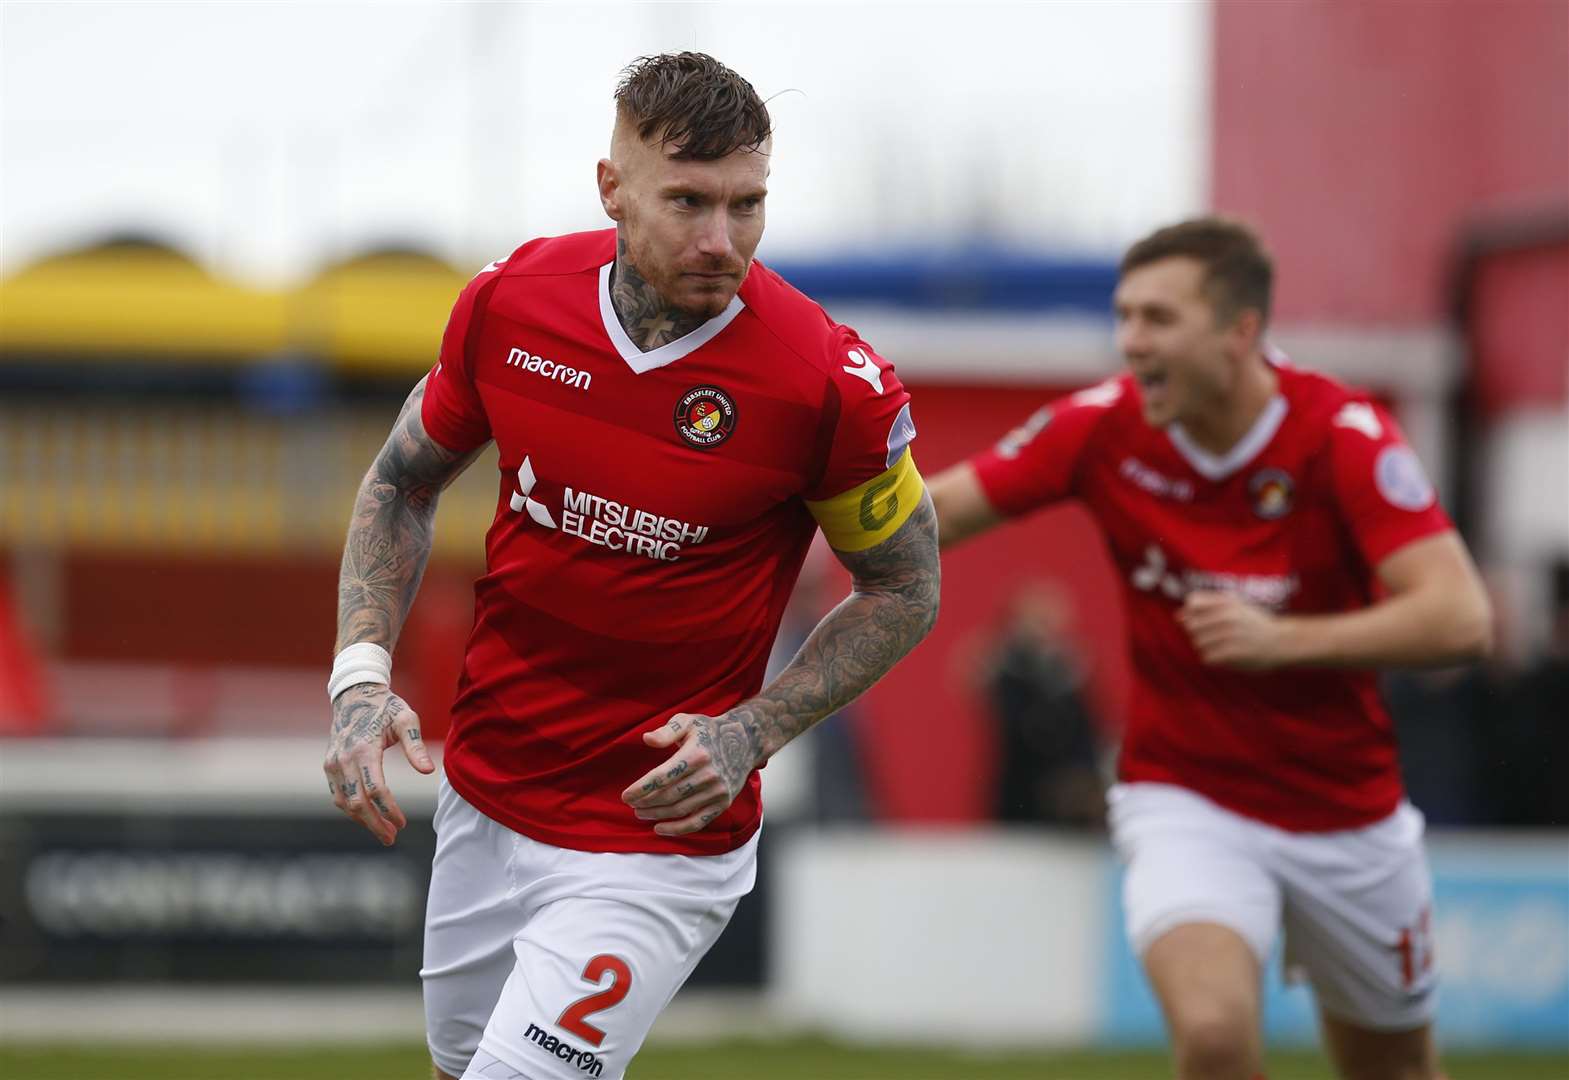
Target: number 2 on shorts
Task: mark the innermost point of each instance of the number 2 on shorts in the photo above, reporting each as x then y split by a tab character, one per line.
574	1016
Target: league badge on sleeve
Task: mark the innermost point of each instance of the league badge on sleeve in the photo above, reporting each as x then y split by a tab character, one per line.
900	435
1401	480
1271	491
705	416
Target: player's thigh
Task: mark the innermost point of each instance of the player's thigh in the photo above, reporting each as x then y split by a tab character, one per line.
1361	1053
1207	979
1359	924
1187	862
592	972
472	915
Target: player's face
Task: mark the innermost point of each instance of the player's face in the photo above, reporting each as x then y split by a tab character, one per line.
1182	357
691	227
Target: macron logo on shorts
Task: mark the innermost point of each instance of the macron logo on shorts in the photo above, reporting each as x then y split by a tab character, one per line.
587	1061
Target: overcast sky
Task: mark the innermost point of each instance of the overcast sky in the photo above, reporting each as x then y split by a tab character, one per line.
269	138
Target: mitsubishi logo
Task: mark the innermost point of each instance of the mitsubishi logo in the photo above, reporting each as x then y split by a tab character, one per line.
1151	575
520	498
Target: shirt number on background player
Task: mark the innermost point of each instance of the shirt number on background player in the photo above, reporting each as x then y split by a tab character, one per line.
1416	949
574	1017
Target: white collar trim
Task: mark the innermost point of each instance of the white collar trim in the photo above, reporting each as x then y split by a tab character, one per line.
1213	467
671	351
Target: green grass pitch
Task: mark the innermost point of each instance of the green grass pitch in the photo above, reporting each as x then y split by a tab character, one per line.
806	1059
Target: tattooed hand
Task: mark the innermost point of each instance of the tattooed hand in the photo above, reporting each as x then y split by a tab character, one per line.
891	607
366	719
703	777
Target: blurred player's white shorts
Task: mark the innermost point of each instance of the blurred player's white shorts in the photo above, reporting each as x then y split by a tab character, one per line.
1356	905
551	964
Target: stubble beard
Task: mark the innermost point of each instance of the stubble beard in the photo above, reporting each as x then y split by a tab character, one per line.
676	292
652	309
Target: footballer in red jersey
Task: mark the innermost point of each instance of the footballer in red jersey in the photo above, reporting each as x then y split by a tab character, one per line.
674	423
1277	540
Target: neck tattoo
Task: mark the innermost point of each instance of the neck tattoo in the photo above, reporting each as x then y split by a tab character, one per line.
645	315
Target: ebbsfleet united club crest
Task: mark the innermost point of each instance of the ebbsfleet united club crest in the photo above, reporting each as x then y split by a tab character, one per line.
1271	490
705	416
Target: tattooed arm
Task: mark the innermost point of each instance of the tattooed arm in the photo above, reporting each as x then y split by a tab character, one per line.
383	561
891	607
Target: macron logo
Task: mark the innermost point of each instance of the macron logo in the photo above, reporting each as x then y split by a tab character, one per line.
524	360
521	500
1099	396
865	368
1359	416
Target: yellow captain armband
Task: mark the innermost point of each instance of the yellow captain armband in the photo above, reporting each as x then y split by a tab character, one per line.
868	514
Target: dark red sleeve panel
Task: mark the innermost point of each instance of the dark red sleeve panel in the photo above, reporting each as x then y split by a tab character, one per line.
452	411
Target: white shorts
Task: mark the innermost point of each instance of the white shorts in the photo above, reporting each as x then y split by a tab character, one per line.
1356	905
556	961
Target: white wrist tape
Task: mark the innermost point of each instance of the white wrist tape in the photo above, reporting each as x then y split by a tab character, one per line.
365	662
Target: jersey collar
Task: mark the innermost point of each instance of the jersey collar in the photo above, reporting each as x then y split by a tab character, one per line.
671	351
1218	467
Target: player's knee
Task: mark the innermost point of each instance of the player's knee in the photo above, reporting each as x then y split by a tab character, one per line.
1212	1044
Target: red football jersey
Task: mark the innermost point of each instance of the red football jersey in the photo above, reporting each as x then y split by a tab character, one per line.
1295	518
652	516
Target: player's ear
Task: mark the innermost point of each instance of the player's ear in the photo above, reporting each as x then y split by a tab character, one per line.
609	179
1247	328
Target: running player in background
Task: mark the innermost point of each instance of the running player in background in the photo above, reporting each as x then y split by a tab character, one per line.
1276	539
674	423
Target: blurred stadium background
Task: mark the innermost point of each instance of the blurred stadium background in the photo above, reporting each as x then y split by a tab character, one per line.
231	234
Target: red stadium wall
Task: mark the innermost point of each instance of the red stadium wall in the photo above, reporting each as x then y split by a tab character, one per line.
925	735
1360	136
1520	329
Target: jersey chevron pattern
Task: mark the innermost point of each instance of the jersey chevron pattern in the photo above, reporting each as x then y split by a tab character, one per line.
1295	518
652	513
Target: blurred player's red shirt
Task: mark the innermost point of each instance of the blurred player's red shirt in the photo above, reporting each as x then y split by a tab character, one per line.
651	521
1295	518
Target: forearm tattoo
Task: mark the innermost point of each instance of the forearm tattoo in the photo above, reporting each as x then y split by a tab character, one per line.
891	608
645	315
390	533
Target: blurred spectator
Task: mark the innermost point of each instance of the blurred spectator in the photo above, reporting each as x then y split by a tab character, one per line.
1526	760
1034	683
1439	721
1489	745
